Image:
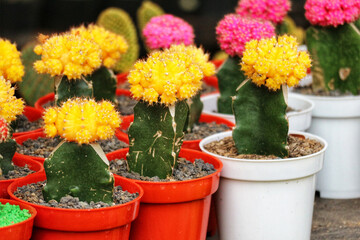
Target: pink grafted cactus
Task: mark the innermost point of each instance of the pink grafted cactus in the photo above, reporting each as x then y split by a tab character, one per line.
4	130
166	30
234	31
270	10
332	12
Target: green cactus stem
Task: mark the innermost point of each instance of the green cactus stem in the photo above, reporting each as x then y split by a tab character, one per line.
118	21
80	171
7	151
229	78
104	84
195	109
261	123
65	89
156	136
147	11
33	85
336	57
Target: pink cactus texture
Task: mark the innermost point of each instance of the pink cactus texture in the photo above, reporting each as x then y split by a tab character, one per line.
4	130
270	10
165	30
332	12
234	31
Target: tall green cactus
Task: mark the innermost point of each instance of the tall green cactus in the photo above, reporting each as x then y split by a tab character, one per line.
229	78
104	84
261	123
118	21
7	151
78	170
195	108
336	57
146	11
34	85
156	136
65	89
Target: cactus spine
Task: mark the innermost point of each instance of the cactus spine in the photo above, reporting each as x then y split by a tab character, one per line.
118	21
336	54
156	136
78	170
261	123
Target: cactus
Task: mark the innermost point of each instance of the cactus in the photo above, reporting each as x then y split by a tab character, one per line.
146	11
65	89
104	84
195	108
78	170
7	151
118	21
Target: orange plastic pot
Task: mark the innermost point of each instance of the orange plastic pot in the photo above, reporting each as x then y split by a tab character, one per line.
91	224
19	160
190	144
21	230
175	210
34	135
121	78
32	114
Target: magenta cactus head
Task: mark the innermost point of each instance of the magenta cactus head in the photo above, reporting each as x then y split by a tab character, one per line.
4	130
270	10
234	31
166	30
332	12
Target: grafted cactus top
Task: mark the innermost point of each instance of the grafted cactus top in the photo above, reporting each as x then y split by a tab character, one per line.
111	44
170	75
10	106
275	61
11	67
4	130
82	120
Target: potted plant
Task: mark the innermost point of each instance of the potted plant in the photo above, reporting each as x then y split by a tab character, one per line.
333	42
79	168
264	193
156	136
16	220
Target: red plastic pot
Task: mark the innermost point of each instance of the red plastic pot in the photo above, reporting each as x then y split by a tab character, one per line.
91	224
175	210
19	160
32	115
190	144
21	230
34	135
121	78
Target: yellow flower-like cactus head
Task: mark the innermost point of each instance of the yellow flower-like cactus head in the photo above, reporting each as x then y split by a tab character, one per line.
82	120
111	44
169	75
273	62
11	67
67	54
10	106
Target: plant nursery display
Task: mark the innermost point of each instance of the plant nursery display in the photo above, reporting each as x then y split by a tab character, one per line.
262	177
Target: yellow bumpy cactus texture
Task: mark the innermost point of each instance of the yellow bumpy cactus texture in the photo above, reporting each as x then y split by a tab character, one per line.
111	44
10	106
68	54
170	75
82	120
273	62
11	67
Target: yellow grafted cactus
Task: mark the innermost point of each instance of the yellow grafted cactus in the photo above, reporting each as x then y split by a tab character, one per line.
67	54
111	44
10	106
275	61
169	75
11	67
82	120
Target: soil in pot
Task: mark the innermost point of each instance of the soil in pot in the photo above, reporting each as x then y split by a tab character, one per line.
42	147
18	172
204	129
298	146
307	90
24	125
12	214
33	193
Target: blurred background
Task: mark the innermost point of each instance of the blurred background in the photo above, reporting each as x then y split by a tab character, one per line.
22	20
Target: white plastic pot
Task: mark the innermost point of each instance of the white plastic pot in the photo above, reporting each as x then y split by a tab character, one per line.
298	120
337	120
266	199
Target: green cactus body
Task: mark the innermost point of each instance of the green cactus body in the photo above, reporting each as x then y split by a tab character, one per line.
282	28
104	84
146	11
229	78
336	57
195	109
78	170
118	21
33	85
156	136
7	151
65	89
261	123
